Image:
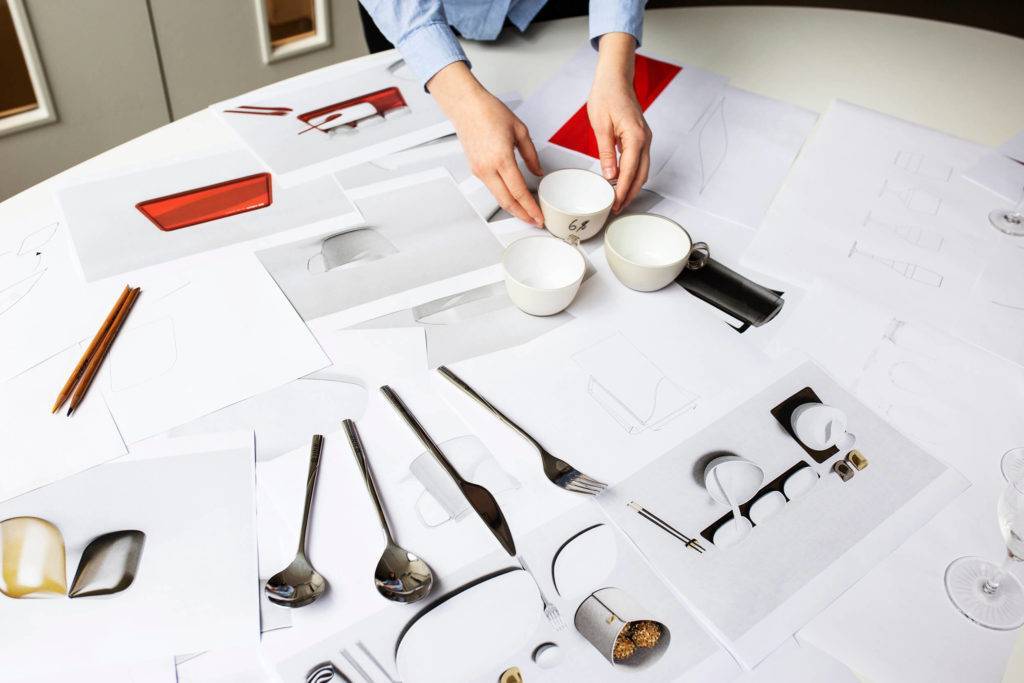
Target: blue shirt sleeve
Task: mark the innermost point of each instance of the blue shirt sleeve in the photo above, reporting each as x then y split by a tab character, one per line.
616	16
420	31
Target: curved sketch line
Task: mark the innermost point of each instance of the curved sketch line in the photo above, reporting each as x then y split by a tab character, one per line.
1006	305
14	293
44	234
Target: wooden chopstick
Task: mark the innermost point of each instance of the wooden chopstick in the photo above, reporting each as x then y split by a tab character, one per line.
101	352
84	360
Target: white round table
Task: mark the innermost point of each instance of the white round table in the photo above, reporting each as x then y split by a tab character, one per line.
960	80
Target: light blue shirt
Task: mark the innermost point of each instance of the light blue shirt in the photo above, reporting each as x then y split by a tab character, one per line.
422	29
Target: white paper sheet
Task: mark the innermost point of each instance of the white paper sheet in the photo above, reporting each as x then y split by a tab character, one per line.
218	336
1014	147
420	236
155	671
999	174
672	113
736	157
809	552
197	510
112	236
878	205
40	447
295	150
897	623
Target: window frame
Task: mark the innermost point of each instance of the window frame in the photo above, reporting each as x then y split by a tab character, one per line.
44	113
320	39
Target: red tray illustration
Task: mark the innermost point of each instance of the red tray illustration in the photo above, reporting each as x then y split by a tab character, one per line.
650	78
380	103
203	204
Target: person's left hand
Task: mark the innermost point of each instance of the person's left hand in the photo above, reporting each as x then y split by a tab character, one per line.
618	122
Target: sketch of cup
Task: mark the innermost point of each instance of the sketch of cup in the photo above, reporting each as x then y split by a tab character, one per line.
629	387
463	306
349	249
441	500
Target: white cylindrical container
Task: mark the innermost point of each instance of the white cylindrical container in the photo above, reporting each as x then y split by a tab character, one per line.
606	614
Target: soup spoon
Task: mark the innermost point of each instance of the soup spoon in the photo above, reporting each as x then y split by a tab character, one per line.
400	576
298	584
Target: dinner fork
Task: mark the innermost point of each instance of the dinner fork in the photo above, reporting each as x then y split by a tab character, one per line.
551	612
558	471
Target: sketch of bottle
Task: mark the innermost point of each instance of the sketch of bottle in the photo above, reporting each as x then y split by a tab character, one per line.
923	238
911	271
919	164
630	388
916	199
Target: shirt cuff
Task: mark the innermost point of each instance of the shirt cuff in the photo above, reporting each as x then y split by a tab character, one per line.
615	17
429	49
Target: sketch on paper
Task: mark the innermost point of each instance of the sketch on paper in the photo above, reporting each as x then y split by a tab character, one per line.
921	165
349	249
472	323
923	238
916	199
143	353
351	115
22	268
713	143
911	271
208	203
631	388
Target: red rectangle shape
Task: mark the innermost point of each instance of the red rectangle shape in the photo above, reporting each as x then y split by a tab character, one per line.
650	77
203	204
383	101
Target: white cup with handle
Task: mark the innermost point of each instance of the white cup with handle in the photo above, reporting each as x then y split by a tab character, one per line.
647	251
575	202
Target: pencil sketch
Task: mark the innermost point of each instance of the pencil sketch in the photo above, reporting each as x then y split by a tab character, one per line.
921	165
713	143
923	238
349	249
916	199
22	268
911	271
631	388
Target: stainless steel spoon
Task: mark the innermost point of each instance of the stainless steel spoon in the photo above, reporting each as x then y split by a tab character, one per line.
299	584
400	575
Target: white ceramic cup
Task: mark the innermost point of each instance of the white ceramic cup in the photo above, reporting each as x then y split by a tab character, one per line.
820	427
646	251
575	202
542	274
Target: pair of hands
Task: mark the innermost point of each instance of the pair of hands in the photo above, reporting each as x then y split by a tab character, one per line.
490	133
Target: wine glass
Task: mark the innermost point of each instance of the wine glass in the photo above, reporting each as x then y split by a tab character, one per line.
1010	221
986	592
1012	464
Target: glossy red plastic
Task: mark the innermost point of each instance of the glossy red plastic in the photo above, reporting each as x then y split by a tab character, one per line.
209	203
650	78
382	100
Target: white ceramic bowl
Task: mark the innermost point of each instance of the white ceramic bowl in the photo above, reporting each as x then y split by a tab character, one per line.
575	202
732	480
646	251
542	274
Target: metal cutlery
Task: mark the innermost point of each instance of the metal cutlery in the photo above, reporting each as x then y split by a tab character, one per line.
657	521
400	575
299	584
479	498
551	612
558	471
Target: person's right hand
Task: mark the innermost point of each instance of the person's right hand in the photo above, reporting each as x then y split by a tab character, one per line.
490	134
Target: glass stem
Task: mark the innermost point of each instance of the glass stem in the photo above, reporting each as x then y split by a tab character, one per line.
991	585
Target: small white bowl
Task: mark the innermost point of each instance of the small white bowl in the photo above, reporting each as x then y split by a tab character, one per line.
732	532
732	480
766	506
542	274
646	251
575	202
799	483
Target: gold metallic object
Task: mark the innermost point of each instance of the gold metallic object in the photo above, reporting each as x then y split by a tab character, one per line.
32	558
857	459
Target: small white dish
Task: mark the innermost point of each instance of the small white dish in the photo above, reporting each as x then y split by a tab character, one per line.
646	251
543	274
732	532
766	506
547	655
799	483
732	480
575	202
820	427
584	561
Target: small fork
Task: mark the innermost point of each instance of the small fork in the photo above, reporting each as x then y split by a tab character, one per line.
551	612
558	471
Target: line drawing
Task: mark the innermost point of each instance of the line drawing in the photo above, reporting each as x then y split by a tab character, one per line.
712	143
916	199
349	249
911	271
921	165
630	387
143	354
923	238
22	268
1015	307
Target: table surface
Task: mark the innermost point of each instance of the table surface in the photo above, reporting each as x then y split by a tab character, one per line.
961	80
